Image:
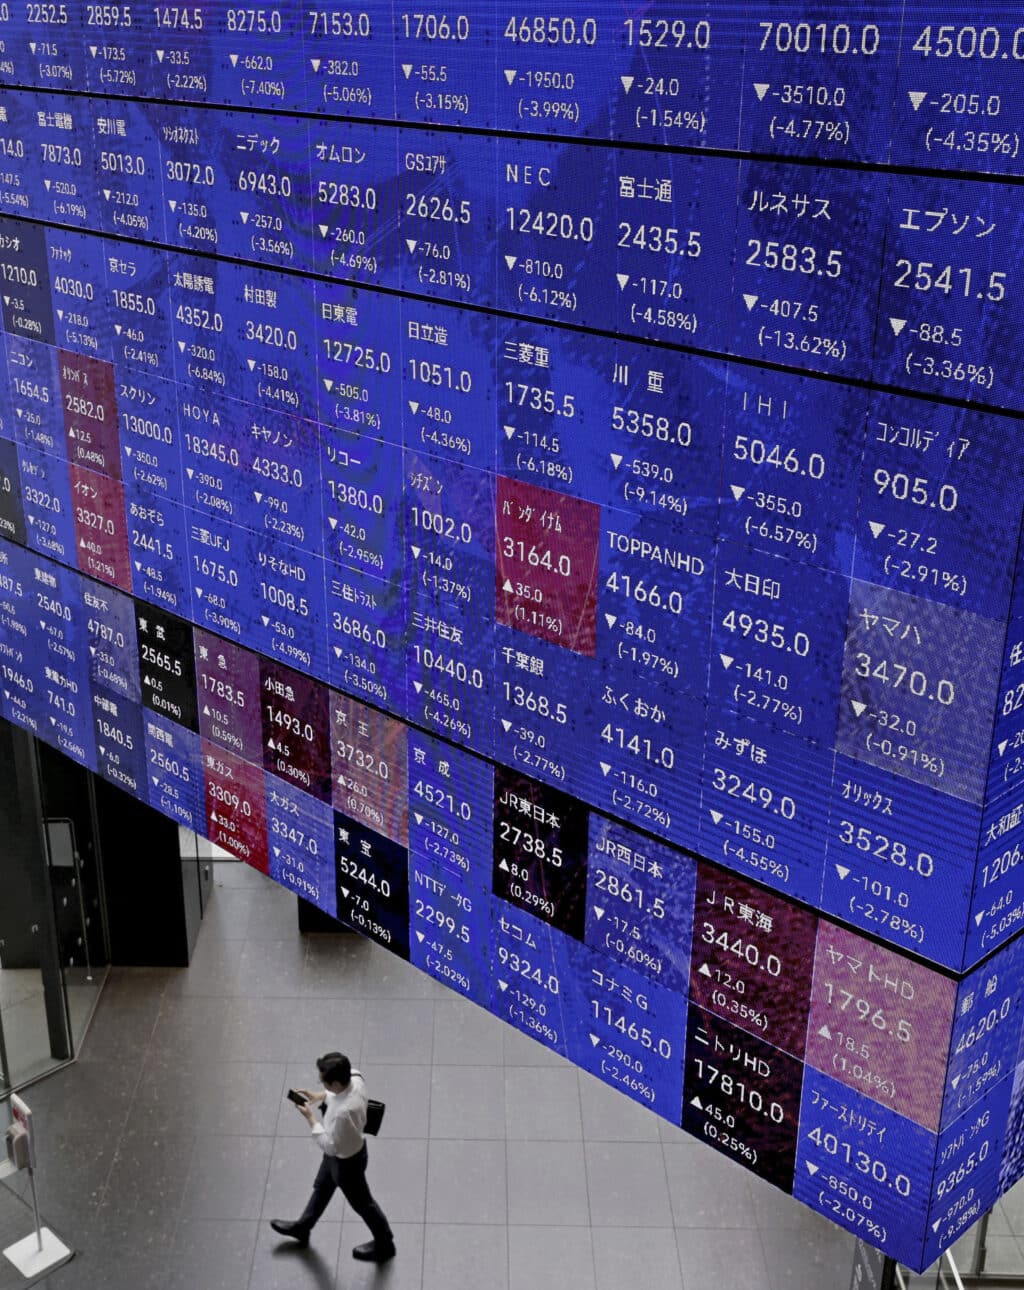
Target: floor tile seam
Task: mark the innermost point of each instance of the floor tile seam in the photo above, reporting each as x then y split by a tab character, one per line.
260	1219
508	1201
672	1212
764	1255
125	1121
429	1140
586	1174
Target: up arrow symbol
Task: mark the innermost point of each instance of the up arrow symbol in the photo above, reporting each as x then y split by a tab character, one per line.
761	89
825	1033
917	97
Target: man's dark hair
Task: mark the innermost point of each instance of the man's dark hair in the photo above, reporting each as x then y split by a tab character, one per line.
334	1068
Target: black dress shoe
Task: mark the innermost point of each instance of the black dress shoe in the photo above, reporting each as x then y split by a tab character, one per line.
374	1252
284	1228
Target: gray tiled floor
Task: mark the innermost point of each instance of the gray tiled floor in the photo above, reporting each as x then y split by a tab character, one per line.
168	1145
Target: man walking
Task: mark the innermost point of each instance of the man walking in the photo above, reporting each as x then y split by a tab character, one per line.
339	1135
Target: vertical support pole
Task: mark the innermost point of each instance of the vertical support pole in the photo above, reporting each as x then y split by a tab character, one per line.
35	1208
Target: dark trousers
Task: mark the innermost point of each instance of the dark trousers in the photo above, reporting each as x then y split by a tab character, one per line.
349	1177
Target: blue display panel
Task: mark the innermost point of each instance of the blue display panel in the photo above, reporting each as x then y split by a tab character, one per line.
350	60
545	489
805	257
817	82
444	64
955	103
676	78
950	288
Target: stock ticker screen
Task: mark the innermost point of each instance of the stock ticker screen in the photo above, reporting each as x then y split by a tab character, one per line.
546	488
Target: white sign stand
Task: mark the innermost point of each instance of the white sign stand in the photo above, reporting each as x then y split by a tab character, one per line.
40	1251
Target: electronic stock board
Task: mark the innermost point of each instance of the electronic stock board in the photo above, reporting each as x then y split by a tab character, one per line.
545	487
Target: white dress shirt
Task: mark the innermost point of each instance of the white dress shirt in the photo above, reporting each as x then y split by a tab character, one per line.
340	1132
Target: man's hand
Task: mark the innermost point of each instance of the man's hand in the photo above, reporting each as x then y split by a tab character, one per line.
308	1109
